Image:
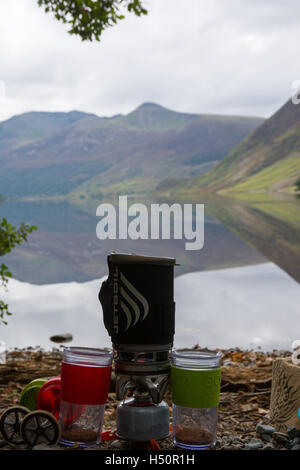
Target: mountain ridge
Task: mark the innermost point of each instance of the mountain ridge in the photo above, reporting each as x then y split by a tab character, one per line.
83	155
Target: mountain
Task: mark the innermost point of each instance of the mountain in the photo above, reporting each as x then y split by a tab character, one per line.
151	117
266	161
57	167
28	128
82	156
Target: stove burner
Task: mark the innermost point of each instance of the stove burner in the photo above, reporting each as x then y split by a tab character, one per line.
139	313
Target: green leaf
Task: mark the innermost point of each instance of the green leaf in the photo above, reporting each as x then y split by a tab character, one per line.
10	236
87	18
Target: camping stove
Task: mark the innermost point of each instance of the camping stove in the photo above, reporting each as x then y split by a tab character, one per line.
139	314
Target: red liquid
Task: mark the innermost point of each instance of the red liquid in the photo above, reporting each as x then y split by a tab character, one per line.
83	384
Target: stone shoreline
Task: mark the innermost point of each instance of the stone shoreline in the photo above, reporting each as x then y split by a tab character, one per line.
243	409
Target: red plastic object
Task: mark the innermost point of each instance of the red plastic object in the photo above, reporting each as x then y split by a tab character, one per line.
154	445
87	385
109	436
48	397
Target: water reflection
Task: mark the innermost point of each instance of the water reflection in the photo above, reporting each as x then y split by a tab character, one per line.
247	306
65	247
253	306
271	226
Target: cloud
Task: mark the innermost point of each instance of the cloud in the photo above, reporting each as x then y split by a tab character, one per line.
234	57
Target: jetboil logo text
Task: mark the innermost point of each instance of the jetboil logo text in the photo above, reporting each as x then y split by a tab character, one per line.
164	221
133	304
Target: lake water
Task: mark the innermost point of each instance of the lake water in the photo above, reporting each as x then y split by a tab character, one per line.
252	306
241	289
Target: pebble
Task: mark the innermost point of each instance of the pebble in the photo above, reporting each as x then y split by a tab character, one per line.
119	445
281	438
63	338
218	445
291	432
266	437
254	444
264	429
229	363
269	446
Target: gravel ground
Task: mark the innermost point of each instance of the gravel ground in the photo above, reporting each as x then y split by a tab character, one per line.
243	410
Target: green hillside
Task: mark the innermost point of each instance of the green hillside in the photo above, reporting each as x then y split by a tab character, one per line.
274	177
266	161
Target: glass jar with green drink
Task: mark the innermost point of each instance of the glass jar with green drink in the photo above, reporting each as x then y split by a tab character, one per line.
196	383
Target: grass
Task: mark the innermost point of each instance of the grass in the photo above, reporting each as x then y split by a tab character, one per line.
131	185
288	168
286	211
95	193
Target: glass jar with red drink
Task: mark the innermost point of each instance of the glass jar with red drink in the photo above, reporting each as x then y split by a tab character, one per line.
85	380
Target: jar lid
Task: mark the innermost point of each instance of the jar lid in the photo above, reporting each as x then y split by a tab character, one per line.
196	358
28	397
88	356
48	397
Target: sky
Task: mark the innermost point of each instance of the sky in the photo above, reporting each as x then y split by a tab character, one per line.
222	56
